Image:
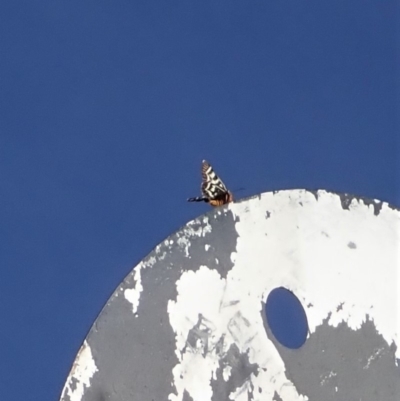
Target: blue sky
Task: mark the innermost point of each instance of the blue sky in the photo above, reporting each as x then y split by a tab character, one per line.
108	108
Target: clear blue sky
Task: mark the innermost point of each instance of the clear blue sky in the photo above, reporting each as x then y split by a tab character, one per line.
107	109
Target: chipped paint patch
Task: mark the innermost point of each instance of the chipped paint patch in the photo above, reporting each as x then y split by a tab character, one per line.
132	295
349	201
334	358
184	240
81	374
226	373
373	357
327	377
193	229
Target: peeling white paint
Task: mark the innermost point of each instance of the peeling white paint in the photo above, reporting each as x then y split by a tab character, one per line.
373	357
302	246
325	378
239	323
241	394
81	374
226	373
191	230
132	295
184	242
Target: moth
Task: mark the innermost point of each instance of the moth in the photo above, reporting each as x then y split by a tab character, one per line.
213	189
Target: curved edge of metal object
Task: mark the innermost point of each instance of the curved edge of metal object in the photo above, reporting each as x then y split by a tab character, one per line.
188	322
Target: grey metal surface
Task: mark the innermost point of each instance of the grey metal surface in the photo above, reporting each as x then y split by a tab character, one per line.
189	324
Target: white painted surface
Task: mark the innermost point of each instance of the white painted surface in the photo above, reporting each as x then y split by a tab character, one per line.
132	295
81	374
325	254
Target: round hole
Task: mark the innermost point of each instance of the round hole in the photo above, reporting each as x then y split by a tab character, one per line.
286	318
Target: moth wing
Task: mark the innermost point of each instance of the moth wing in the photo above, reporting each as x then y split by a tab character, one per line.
211	186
